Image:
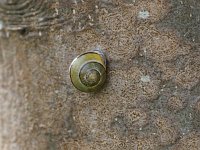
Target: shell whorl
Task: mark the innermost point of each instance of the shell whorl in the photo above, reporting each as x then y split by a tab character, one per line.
88	71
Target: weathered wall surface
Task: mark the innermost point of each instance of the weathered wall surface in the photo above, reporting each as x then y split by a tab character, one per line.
151	99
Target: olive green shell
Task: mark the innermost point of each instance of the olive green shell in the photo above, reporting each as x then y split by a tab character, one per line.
88	71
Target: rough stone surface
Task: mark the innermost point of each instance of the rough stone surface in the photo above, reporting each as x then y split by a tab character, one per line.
151	96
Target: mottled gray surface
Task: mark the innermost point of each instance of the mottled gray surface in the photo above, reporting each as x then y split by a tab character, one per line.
151	99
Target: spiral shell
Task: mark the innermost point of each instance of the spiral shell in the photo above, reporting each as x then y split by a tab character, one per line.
88	71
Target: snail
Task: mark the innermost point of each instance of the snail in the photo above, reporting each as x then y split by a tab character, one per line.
88	71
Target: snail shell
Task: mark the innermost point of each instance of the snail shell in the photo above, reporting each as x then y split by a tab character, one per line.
88	71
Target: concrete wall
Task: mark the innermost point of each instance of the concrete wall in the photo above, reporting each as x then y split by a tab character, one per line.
151	99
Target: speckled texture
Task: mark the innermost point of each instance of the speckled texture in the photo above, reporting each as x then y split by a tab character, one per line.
151	99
